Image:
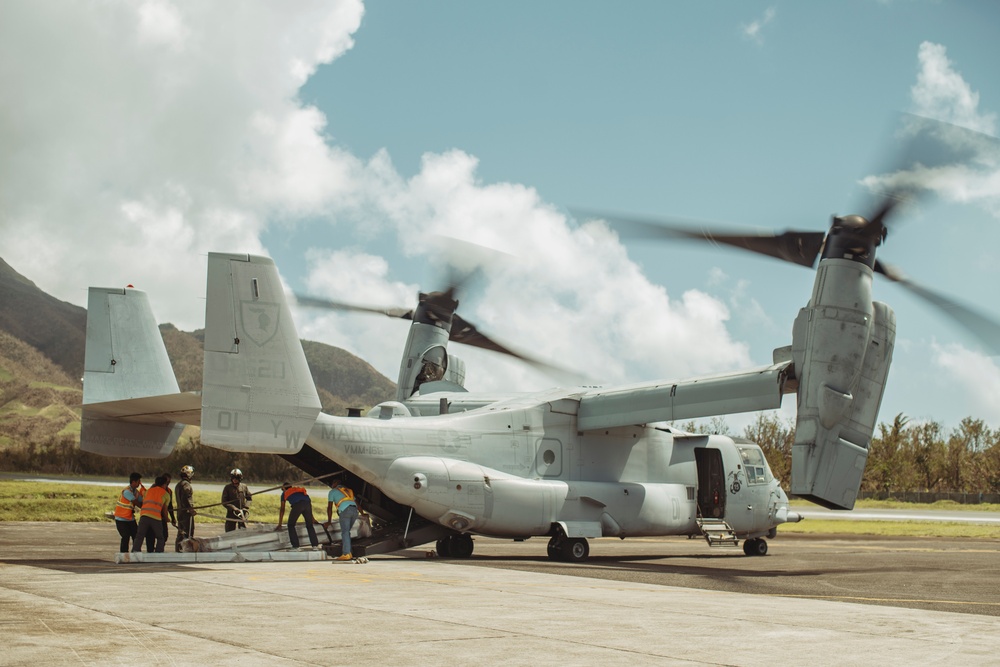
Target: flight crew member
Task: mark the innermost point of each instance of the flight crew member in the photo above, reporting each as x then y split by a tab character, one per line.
154	510
128	500
347	508
236	497
301	505
185	507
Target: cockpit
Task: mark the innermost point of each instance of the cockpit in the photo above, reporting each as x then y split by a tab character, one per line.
433	365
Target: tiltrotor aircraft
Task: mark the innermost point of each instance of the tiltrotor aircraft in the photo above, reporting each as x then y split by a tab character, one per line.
440	463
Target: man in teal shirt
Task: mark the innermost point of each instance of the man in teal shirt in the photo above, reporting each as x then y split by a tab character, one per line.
343	498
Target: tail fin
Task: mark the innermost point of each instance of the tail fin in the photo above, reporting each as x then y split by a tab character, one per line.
258	394
125	359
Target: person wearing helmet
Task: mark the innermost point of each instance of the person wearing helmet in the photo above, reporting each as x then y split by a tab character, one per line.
236	498
185	507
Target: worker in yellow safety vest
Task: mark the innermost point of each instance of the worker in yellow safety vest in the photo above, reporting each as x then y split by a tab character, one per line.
154	510
128	499
347	510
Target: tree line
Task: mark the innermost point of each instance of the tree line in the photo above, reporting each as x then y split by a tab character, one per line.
904	457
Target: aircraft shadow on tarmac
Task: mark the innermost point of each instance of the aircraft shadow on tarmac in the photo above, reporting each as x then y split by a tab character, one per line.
96	566
654	564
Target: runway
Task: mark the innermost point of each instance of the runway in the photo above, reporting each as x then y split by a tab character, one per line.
667	601
957	575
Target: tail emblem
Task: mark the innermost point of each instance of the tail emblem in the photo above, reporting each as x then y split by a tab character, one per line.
259	320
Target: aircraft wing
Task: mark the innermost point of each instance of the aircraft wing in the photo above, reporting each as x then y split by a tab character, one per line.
183	408
709	396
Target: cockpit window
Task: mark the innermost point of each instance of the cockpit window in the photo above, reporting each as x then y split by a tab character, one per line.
754	465
433	365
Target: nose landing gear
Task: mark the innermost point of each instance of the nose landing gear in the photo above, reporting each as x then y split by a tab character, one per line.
755	547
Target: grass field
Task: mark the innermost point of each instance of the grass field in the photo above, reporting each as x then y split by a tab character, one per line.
891	528
52	501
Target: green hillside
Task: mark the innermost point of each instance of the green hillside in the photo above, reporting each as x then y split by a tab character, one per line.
37	397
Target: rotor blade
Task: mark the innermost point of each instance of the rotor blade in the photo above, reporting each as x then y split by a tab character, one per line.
796	247
315	302
927	154
985	329
463	331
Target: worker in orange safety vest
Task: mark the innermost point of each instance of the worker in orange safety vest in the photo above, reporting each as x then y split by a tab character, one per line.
152	514
129	499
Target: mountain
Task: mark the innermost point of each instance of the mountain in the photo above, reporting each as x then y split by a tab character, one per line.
37	397
53	327
42	344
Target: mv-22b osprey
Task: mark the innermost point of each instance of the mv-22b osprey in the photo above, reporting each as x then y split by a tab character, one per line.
440	463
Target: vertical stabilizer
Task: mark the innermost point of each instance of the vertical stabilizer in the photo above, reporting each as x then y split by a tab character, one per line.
125	359
258	394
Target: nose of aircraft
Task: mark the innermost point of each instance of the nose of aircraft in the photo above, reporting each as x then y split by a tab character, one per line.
784	513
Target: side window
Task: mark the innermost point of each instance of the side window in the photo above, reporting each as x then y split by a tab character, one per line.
754	465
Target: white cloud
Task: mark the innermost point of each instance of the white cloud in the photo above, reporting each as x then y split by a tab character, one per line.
567	295
968	167
146	134
940	92
753	30
972	375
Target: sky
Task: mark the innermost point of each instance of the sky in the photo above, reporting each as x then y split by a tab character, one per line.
345	139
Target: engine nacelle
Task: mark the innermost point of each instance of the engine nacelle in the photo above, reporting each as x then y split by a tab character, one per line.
842	347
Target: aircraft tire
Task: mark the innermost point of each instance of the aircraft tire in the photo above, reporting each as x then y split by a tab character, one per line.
555	553
755	547
461	546
443	547
575	550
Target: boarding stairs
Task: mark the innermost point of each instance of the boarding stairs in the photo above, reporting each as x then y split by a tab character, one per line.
717	532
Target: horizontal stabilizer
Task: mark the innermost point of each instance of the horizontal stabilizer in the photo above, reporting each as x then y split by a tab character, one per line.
182	408
746	391
117	438
126	370
258	393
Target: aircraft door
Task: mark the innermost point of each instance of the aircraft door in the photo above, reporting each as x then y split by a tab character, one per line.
711	483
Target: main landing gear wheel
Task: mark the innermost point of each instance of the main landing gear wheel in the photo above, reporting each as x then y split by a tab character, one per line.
575	550
755	547
553	549
569	549
461	546
455	546
444	547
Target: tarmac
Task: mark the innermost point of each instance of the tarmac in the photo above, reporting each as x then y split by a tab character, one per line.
64	601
